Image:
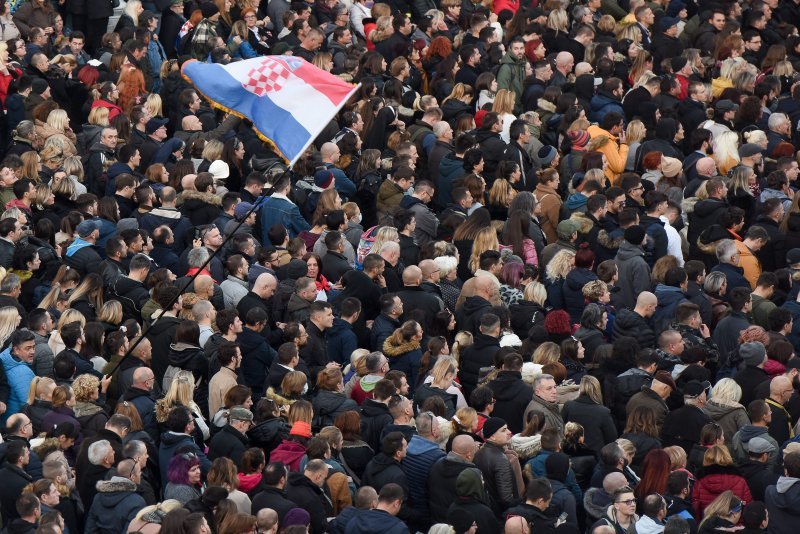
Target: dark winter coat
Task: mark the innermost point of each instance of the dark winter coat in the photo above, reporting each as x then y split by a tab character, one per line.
328	405
425	391
574	301
512	396
114	506
191	358
783	505
311	498
479	354
382	470
631	324
374	416
228	443
596	420
268	434
468	316
14	479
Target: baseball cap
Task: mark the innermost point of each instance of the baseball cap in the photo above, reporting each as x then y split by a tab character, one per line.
759	445
242	209
695	388
726	105
85	228
238	413
566	228
154	124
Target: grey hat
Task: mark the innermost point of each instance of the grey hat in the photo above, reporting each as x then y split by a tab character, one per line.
238	413
753	353
759	445
793	256
127	224
749	150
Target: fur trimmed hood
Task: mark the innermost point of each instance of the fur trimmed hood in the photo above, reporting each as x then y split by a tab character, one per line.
279	399
206	198
585	222
394	351
115	485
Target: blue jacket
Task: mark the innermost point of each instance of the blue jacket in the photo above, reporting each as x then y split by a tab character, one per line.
171	442
19	375
342	341
156	55
668	299
279	210
342	183
601	105
537	468
420	457
734	275
371	521
115	505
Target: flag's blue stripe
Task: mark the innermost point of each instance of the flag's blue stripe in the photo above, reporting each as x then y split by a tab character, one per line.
271	120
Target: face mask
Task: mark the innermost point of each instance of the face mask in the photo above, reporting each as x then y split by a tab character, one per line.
409	191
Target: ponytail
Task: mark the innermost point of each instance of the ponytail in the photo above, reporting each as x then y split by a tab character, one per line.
32	390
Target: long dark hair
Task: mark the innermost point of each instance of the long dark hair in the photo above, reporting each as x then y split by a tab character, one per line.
516	231
477	221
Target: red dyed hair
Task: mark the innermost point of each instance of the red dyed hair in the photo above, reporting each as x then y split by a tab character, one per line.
655	470
130	85
88	75
557	323
441	47
584	257
651	160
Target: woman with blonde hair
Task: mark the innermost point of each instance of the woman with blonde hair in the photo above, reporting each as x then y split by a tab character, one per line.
588	410
486	239
726	151
464	422
500	196
40	396
90	395
9	322
547	352
74	169
181	393
635	133
110	315
461	342
31	165
58	121
443	374
555	276
530	311
718	472
503	105
293	388
723	514
88	296
723	408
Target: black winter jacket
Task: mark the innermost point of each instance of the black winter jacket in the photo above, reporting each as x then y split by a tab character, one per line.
479	354
512	396
228	443
598	425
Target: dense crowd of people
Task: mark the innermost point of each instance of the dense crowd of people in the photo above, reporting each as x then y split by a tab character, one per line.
540	274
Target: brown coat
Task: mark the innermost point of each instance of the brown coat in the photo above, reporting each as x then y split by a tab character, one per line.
340	492
28	16
551	209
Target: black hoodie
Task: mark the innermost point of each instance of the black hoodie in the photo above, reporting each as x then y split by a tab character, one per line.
470	313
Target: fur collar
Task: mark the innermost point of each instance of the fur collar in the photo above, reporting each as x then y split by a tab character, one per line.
115	485
394	351
208	198
86	409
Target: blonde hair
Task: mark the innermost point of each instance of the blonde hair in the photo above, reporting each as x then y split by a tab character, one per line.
717	455
590	387
721	506
783	68
30	165
677	457
383	29
464	419
99	116
594	290
462	341
41	387
9	321
111	312
74	167
535	292
485	239
558	20
58	120
180	393
444	366
547	352
755	136
84	385
636	131
627	446
459	91
501	193
726	390
71	315
154	104
385	234
504	102
560	266
213	150
131	8
726	147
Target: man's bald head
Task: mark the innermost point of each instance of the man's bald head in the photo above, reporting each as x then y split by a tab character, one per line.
614	481
464	445
204	285
428	267
327	150
780	388
264	283
646	298
563	59
187	182
412	276
266	519
143	348
17	424
706	167
484	286
580	69
191	123
142	375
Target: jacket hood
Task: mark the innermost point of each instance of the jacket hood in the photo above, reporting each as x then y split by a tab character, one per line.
450	164
469	485
196	197
628	251
419	445
706	207
393	351
647	525
629	319
115	485
86	409
171	439
575	201
180	354
248	482
9	361
339	326
368	382
717	409
483	135
506	380
785	483
474	304
596	501
577	278
748	432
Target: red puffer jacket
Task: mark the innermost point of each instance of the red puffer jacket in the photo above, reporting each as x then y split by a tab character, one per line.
713	480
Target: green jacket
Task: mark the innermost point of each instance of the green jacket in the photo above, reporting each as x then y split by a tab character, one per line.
511	76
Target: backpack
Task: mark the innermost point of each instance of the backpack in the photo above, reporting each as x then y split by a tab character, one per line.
365	245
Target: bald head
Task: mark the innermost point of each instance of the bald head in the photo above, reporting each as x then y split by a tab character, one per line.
265	285
484	286
564	59
191	123
780	389
327	150
204	286
614	481
516	524
187	182
143	350
646	298
412	276
706	167
428	268
266	519
580	69
464	445
142	375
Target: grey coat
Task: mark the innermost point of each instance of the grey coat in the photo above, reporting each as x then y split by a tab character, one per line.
634	274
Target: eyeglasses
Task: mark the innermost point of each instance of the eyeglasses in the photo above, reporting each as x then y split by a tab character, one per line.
628	501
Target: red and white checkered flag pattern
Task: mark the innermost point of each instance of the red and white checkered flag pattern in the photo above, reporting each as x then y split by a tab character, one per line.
270	76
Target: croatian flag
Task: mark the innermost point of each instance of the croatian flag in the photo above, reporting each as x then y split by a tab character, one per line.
288	100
